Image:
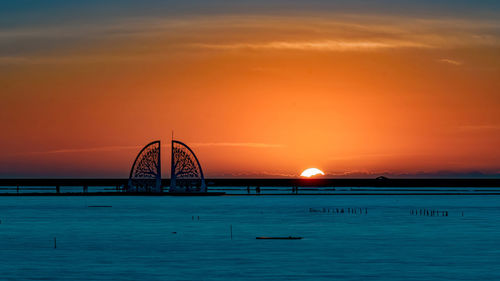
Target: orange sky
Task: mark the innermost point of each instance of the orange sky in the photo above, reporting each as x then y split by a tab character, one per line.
255	95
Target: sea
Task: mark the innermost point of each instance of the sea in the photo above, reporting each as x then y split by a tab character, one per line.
345	237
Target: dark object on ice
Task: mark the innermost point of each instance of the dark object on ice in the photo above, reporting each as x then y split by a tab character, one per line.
98	206
280	238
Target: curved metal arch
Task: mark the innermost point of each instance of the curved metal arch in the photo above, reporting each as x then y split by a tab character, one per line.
192	153
140	153
158	177
173	176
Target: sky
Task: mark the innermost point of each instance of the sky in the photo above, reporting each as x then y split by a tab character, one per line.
257	88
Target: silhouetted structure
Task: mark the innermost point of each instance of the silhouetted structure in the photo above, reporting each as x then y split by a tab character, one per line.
186	173
145	175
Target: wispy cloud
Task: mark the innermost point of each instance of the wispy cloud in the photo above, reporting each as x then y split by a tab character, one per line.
361	156
85	150
80	59
322	45
13	60
257	174
450	61
125	39
237	144
137	147
420	174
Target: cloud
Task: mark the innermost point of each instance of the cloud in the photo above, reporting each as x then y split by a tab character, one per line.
85	150
452	62
237	144
362	156
257	174
138	39
80	59
421	174
137	147
14	60
325	45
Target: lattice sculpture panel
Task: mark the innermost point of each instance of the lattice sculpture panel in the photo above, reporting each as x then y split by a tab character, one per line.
145	175
186	172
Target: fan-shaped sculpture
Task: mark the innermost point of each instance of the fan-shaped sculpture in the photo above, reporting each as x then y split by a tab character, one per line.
145	175
186	173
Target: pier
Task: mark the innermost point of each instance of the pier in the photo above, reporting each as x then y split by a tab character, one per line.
258	187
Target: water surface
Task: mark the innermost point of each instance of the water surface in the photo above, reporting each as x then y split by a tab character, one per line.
161	238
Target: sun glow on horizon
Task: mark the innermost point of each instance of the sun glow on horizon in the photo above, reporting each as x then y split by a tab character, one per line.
311	172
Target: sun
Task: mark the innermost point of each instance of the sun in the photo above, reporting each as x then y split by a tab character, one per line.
311	172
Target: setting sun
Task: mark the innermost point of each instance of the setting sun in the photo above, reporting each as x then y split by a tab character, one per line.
311	172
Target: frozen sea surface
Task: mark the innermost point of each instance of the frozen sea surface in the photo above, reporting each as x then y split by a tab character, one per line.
161	238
